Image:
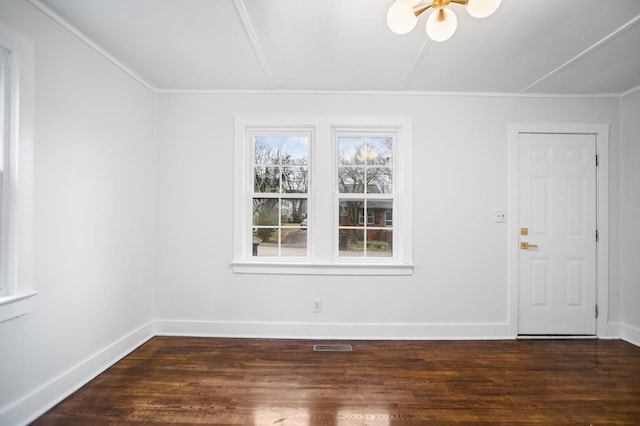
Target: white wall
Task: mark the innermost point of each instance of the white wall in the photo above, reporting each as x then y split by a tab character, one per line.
629	215
94	220
459	288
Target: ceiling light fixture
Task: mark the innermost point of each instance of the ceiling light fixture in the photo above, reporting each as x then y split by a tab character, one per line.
441	24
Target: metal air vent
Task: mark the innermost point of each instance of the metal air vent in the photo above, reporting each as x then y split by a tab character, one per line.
332	348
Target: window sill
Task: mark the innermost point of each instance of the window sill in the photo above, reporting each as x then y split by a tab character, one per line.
15	305
292	268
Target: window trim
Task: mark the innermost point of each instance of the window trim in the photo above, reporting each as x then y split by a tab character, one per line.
17	258
323	260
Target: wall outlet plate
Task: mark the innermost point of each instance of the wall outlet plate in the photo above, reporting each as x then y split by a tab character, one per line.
499	215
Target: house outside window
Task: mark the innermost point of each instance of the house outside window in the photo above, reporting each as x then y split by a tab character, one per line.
322	195
365	190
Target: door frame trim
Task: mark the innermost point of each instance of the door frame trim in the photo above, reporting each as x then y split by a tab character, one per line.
601	131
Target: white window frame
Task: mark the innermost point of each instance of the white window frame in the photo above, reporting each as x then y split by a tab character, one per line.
367	196
322	204
293	132
16	228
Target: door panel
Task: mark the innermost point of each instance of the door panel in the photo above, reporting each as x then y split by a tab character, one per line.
557	207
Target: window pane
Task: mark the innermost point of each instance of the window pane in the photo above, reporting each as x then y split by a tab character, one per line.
379	180
266	150
351	212
293	212
295	150
379	243
351	242
265	242
294	241
266	179
351	179
294	179
265	211
376	212
380	150
351	150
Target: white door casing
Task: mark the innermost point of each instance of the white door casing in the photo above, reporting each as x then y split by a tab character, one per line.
557	194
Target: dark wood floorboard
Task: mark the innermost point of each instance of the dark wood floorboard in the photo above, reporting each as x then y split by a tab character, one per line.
183	380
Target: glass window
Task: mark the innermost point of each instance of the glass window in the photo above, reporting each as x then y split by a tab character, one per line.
319	196
280	194
365	183
16	159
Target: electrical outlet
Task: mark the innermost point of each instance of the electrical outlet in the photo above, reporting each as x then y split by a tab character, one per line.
499	215
317	305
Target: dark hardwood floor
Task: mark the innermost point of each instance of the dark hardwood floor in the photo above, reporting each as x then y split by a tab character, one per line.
263	382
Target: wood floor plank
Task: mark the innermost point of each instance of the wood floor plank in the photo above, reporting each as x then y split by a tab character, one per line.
184	380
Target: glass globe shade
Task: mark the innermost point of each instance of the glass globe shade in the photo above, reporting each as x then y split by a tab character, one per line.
442	30
400	17
482	8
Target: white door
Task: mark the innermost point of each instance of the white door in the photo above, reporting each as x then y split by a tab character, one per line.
557	234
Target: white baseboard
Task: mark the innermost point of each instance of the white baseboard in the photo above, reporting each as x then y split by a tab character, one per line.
610	330
49	394
631	334
316	331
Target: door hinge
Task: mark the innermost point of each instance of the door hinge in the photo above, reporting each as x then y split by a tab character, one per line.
596	311
597	160
597	235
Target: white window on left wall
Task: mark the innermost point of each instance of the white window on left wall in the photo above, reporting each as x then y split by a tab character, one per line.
16	174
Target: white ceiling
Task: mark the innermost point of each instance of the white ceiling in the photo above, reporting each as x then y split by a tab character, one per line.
541	46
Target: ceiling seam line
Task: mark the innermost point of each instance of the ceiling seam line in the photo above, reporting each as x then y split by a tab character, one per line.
255	43
418	59
584	53
90	43
630	91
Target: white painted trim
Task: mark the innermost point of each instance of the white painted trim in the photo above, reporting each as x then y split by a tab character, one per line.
387	93
631	334
602	266
630	92
362	331
613	330
416	62
18	273
30	407
299	268
255	41
86	40
16	305
585	52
